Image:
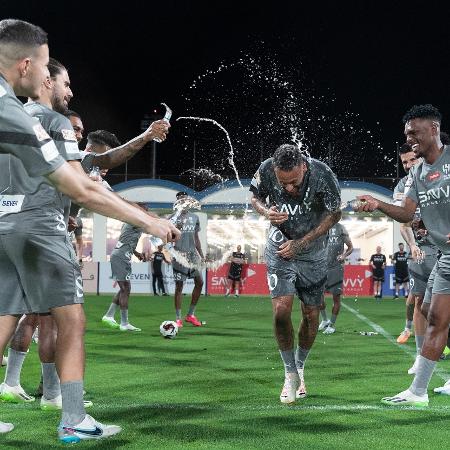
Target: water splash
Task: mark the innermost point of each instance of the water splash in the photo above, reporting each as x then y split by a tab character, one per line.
231	157
210	265
207	174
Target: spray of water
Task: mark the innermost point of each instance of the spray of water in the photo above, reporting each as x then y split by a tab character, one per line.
206	174
210	265
231	157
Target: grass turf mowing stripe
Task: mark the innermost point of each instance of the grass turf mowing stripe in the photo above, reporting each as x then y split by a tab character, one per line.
439	372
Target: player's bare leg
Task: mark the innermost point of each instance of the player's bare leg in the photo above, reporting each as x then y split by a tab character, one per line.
420	326
323	313
410	307
331	328
178	300
196	292
123	298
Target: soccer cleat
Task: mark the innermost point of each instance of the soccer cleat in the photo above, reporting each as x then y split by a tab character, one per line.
192	319
6	427
396	296
110	322
129	327
329	329
89	428
165	294
291	384
413	369
301	391
179	323
4	361
14	394
56	403
323	325
404	336
236	295
446	352
407	398
444	390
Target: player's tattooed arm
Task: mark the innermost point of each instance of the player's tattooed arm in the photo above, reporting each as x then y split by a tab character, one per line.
293	247
119	155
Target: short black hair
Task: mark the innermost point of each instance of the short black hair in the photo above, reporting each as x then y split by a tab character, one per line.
423	112
181	194
19	32
287	156
55	67
103	137
445	138
401	243
405	148
71	113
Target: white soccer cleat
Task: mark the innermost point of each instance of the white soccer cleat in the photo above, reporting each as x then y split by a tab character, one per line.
56	403
129	327
413	369
291	384
301	391
4	361
14	394
329	330
6	427
444	390
323	325
406	398
89	428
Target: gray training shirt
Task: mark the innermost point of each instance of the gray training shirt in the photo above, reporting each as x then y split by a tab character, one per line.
129	236
26	151
337	235
431	191
190	224
320	194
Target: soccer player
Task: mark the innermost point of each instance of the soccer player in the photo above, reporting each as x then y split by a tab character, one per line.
234	274
400	262
300	196
29	153
430	190
157	259
378	263
77	124
189	245
121	272
337	237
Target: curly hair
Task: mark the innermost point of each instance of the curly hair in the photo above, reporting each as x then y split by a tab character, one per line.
423	112
103	137
405	148
287	156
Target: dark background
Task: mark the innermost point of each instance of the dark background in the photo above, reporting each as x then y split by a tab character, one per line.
351	69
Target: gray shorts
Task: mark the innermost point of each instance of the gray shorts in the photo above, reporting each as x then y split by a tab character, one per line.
181	273
335	279
38	273
439	281
289	277
419	274
121	263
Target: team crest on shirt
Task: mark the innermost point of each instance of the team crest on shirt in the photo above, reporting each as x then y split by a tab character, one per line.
69	135
433	176
40	133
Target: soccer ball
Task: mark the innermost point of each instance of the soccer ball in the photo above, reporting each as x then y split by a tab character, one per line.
168	329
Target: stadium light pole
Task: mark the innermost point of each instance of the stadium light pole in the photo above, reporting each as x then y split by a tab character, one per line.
153	159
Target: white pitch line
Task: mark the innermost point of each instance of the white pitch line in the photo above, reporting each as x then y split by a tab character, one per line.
438	371
298	406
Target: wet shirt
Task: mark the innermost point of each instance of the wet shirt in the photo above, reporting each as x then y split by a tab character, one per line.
319	195
378	260
400	261
337	235
30	205
189	224
129	237
431	191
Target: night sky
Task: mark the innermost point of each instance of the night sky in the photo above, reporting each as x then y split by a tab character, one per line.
341	75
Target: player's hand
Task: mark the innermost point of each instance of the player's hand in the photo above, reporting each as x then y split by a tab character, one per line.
291	248
368	203
417	254
340	258
163	229
276	217
72	224
156	130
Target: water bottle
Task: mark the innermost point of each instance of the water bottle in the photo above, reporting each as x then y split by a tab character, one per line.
354	204
166	118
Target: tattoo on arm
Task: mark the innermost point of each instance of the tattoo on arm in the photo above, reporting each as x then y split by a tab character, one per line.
119	155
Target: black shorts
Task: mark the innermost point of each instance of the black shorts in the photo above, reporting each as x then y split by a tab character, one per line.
234	276
378	275
401	278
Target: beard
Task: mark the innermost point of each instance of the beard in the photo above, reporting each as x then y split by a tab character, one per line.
58	104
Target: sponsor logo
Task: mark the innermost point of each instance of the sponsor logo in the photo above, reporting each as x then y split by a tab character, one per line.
446	168
40	133
440	193
69	135
433	176
11	203
49	151
95	432
296	209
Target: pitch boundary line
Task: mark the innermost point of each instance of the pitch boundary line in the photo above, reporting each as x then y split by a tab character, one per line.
380	330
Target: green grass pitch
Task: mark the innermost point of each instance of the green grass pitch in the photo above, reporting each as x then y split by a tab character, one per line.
217	387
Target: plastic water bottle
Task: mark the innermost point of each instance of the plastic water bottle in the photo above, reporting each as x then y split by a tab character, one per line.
166	118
